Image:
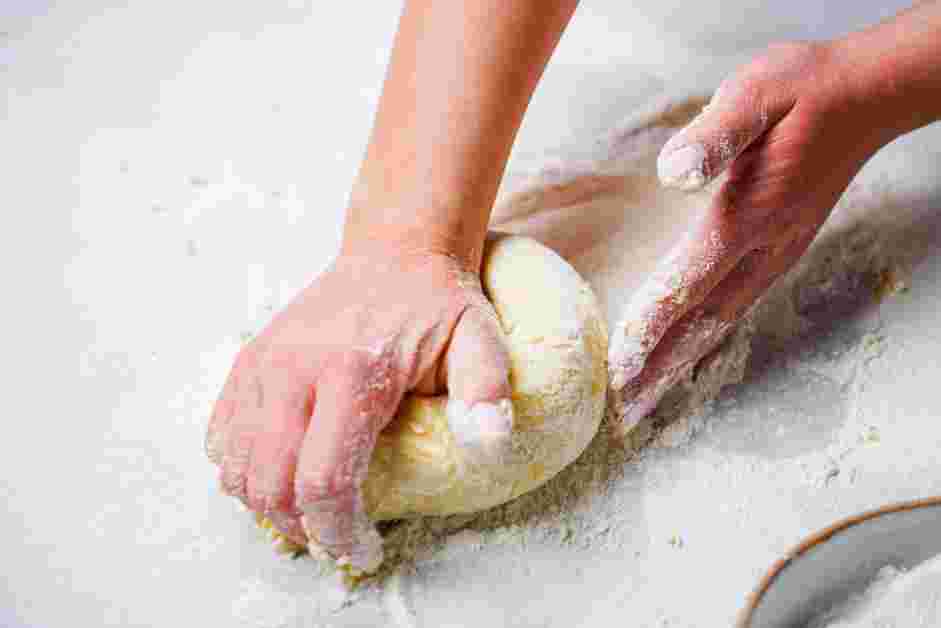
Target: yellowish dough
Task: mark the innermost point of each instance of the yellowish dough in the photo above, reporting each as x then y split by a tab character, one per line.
558	346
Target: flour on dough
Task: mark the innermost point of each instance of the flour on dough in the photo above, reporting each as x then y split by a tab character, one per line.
601	205
601	208
557	341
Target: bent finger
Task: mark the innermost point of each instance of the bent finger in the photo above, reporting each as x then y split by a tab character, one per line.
356	398
275	449
740	112
247	416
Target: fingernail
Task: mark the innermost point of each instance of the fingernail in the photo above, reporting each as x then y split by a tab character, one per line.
352	542
481	422
683	168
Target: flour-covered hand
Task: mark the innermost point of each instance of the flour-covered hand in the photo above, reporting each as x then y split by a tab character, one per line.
790	135
296	423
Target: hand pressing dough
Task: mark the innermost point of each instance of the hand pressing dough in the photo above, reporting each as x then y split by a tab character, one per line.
558	345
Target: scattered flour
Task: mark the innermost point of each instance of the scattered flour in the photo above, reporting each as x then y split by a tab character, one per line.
602	209
580	507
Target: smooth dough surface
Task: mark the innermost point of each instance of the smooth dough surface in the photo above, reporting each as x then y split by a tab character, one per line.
558	343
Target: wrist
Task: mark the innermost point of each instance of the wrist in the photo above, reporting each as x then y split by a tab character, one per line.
892	74
859	94
408	234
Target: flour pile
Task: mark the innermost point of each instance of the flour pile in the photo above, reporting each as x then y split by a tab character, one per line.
894	599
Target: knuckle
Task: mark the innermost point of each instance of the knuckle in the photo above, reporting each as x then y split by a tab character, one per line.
270	485
783	60
232	481
369	377
214	446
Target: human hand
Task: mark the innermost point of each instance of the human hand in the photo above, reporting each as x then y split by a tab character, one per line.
294	428
791	133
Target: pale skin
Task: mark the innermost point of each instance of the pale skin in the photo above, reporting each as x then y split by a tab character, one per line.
401	310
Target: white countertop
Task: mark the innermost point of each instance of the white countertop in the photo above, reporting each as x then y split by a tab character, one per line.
171	172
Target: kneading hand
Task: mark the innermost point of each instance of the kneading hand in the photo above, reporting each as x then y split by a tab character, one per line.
786	130
297	420
402	309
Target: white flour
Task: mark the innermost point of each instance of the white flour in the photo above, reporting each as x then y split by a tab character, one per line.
895	599
809	348
614	236
825	425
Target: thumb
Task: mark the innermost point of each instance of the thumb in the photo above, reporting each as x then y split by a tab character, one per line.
740	112
477	365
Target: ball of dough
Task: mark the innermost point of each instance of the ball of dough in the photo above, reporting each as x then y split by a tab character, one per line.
558	347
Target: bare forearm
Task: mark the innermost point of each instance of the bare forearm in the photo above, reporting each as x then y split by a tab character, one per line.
895	68
460	78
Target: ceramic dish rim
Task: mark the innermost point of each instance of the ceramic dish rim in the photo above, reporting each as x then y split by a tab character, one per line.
810	542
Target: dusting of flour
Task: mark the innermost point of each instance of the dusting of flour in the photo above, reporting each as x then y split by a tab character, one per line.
600	206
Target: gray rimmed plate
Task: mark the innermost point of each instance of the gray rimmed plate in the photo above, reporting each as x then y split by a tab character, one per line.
829	566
